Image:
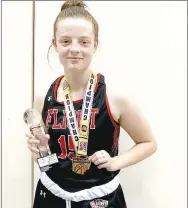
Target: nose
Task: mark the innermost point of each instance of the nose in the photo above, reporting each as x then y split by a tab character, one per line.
75	48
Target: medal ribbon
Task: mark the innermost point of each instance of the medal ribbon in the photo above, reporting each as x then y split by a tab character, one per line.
81	136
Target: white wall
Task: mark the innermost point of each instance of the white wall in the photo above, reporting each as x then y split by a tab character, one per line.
143	52
0	127
16	97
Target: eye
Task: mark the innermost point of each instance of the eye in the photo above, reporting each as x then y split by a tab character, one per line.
85	42
65	41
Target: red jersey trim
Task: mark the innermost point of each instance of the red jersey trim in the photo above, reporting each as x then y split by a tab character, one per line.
115	124
76	101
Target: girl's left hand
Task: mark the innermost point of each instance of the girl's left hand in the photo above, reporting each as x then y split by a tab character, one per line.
103	160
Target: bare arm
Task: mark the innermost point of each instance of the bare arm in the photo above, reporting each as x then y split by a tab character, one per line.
133	122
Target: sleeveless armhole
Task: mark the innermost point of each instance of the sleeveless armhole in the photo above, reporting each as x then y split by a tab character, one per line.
114	122
48	99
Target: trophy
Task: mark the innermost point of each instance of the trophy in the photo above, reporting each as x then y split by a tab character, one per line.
33	119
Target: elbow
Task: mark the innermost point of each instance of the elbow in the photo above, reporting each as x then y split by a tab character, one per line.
153	146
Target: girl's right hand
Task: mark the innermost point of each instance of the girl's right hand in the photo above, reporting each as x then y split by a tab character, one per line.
32	143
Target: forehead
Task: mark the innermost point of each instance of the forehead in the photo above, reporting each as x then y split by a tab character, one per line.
74	27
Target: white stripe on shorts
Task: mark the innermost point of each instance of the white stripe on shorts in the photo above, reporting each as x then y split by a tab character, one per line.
86	194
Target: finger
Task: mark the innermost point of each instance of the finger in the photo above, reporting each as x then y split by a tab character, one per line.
29	135
33	149
103	152
105	165
47	136
92	156
33	141
97	156
101	161
30	145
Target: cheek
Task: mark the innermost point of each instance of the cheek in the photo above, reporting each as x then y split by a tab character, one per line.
62	51
87	53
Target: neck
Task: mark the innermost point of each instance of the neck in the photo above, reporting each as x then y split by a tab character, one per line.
77	81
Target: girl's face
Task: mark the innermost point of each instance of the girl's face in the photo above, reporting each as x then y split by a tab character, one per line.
75	43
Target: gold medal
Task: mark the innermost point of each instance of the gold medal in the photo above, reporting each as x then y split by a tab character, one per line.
80	164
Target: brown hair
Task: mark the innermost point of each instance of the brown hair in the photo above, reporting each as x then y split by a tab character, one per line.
75	9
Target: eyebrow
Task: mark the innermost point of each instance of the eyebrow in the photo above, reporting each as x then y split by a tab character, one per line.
85	37
69	37
64	37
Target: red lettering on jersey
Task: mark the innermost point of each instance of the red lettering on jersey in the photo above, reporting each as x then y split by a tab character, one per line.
93	113
62	143
63	125
48	119
71	147
71	150
55	125
64	122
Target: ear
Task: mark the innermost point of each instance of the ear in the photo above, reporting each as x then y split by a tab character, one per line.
54	44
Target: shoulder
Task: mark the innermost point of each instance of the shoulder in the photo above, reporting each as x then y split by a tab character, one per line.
39	99
114	100
128	114
121	104
39	102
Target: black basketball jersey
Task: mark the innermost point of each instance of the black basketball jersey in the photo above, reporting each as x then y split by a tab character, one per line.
103	135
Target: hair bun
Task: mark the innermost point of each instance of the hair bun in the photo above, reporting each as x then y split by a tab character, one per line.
68	4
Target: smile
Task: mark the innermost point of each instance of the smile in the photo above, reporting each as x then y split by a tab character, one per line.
74	58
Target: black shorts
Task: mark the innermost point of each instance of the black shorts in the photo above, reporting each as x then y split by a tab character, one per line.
45	199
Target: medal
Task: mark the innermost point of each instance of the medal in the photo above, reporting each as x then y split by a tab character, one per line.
80	163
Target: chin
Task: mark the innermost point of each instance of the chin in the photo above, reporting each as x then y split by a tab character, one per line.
76	68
